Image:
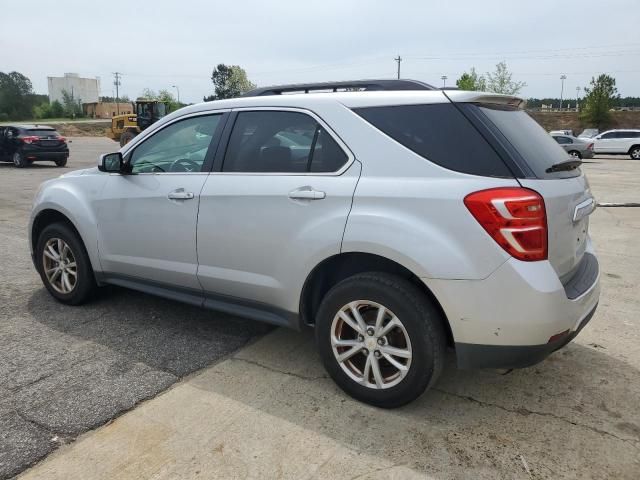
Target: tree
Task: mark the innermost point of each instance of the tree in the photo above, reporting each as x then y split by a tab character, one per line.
598	100
162	96
500	81
72	107
472	81
16	95
229	81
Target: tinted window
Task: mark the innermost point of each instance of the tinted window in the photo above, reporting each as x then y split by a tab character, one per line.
628	134
563	140
609	135
529	139
439	133
286	142
179	147
43	133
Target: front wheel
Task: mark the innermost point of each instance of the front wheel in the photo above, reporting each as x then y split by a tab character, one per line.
635	153
380	339
64	264
126	137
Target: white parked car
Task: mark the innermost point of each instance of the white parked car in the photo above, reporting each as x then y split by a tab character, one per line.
395	223
618	142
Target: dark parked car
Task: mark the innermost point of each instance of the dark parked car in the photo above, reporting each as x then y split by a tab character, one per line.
24	144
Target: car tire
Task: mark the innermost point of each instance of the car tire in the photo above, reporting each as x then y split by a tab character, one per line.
417	334
19	160
575	154
634	152
62	162
126	137
58	239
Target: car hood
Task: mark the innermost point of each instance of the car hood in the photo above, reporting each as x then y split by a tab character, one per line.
78	173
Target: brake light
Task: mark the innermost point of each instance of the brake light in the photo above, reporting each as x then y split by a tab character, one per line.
590	147
61	139
515	218
32	139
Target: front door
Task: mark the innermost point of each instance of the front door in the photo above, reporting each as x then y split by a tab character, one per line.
147	219
277	207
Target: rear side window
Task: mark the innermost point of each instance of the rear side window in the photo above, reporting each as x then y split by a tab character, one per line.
440	133
281	142
529	139
563	140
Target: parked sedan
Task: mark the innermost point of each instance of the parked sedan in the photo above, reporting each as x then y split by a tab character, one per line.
24	144
575	147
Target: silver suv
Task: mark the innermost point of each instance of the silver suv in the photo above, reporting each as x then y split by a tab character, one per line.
396	223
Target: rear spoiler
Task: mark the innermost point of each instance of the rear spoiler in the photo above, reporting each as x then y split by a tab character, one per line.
460	96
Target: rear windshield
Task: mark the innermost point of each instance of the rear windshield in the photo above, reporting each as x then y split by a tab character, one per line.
440	133
536	147
43	133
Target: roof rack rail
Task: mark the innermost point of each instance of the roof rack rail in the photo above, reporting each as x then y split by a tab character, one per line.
362	85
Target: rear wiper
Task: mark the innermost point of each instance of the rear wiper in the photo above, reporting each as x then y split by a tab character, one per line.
566	165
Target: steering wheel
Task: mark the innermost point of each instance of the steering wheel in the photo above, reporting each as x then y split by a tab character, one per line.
184	165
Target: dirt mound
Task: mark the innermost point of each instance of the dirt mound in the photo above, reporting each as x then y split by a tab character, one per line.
94	129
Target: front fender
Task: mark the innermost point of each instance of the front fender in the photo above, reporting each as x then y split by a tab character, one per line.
73	197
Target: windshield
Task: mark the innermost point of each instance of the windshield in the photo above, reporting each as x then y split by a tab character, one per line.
537	148
43	133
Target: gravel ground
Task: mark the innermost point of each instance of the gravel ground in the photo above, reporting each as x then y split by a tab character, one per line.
65	370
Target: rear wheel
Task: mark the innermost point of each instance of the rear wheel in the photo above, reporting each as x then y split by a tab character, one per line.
634	153
575	154
19	160
64	265
61	162
380	339
126	137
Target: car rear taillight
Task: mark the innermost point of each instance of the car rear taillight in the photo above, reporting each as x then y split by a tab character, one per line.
31	139
590	147
515	218
61	139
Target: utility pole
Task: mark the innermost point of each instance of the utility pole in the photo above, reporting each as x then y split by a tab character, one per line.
116	82
577	99
562	79
398	59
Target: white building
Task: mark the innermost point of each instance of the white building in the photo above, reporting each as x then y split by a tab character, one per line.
85	90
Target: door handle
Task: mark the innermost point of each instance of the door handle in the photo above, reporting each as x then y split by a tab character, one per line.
307	193
180	194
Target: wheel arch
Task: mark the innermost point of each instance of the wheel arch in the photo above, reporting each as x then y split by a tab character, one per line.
50	215
338	267
635	145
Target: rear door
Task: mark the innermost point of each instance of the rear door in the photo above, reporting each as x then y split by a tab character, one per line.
567	196
277	206
606	143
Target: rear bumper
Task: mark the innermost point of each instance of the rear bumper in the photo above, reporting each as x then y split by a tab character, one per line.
36	156
519	314
471	355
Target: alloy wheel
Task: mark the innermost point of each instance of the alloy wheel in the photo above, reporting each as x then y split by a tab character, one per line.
59	265
635	154
371	344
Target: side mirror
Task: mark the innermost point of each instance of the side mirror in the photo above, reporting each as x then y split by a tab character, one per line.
111	162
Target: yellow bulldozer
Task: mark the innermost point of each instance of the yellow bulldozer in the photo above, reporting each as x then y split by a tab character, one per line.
125	127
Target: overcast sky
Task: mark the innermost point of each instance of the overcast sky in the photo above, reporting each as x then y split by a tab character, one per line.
160	43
